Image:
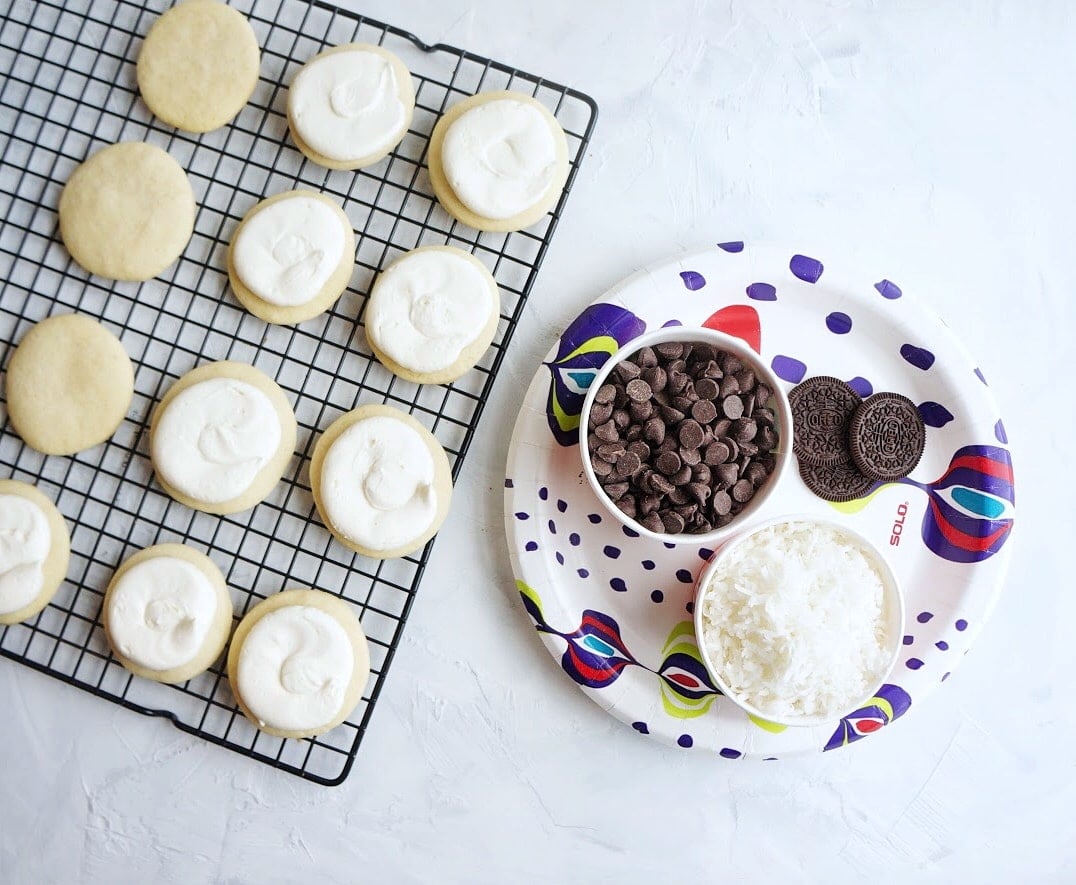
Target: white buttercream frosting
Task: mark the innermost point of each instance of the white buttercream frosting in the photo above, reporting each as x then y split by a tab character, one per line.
286	251
377	484
214	437
160	612
295	667
25	541
427	307
500	157
346	105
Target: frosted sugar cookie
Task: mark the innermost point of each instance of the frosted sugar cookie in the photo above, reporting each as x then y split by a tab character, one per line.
167	613
127	212
298	663
498	161
198	65
291	257
69	385
221	437
432	314
34	551
350	105
381	482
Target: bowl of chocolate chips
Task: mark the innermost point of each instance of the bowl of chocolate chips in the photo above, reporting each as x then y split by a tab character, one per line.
684	434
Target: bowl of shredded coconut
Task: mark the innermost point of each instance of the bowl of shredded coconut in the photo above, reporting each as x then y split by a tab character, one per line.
799	620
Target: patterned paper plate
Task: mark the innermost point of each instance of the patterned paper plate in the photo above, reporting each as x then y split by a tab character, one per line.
615	609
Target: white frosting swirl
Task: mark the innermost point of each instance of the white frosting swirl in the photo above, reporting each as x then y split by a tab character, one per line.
427	307
214	437
25	541
286	251
295	667
500	157
377	484
346	105
160	612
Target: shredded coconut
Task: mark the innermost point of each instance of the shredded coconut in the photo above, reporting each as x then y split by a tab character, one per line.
794	620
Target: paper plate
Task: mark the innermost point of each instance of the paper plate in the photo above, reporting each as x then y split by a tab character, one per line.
614	609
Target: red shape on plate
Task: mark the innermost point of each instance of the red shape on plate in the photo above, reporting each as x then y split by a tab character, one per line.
684	680
740	321
866	726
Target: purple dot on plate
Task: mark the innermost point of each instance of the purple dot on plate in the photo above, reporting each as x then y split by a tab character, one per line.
980	375
640	727
839	323
762	292
735	246
685	741
806	269
669	324
942	645
618	585
543	493
705	553
690	608
729	753
999	432
961	625
649	565
631	533
888	290
788	369
919	357
562	505
908	640
531	546
684	576
508	484
560	558
861	386
594	518
944	677
669	546
923	617
582	572
913	663
934	414
692	279
522	515
552	527
573	539
770	759
611	551
657	596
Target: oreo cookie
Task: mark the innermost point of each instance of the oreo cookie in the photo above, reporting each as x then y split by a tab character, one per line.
836	482
886	436
822	409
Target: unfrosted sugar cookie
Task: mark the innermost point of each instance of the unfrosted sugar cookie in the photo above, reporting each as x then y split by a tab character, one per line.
69	385
298	663
381	482
350	105
127	212
34	551
221	437
198	65
291	257
498	161
432	314
167	613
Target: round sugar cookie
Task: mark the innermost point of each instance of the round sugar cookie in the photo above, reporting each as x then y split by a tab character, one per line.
127	212
291	257
432	313
381	482
221	437
34	557
350	105
198	65
298	663
498	161
167	613
69	385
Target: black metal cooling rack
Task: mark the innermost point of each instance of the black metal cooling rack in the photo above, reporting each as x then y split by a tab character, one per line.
70	90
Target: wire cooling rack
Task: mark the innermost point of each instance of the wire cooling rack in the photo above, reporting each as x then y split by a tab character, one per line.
70	89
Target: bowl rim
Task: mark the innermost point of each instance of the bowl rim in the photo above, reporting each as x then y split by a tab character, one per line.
783	410
893	595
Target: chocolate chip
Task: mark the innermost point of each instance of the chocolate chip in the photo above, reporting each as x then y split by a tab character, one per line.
600	413
627	506
689	455
716	453
610	451
661	485
668	463
732	406
744	430
727	474
633	433
640	411
640	448
628	463
673	522
721	503
616	490
670	350
743	491
704	411
646	357
671	415
607	432
653	523
605	394
701	473
699	492
621	419
647	504
627	371
654	431
683	475
601	468
656	378
707	388
690	435
638	390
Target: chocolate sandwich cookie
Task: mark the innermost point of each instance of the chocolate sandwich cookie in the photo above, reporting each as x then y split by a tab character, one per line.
836	482
822	409
886	436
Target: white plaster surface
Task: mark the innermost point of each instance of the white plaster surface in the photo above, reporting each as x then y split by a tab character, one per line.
935	139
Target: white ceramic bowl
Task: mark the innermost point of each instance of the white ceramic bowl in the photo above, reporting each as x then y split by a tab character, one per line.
893	612
778	402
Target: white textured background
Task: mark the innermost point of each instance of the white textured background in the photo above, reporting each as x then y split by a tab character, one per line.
934	139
